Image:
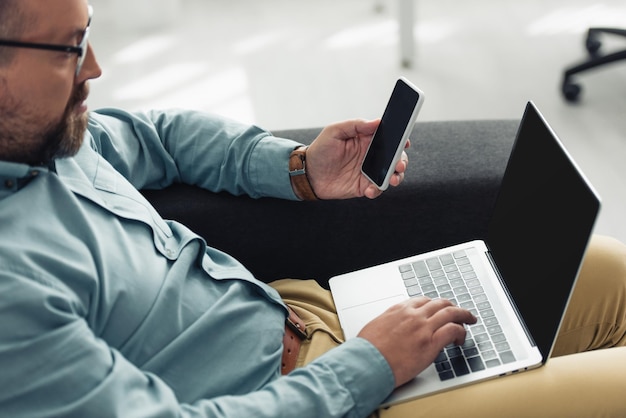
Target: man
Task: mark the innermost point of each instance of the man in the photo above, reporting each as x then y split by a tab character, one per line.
108	310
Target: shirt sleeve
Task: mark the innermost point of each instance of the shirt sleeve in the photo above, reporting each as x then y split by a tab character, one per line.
53	365
158	148
351	380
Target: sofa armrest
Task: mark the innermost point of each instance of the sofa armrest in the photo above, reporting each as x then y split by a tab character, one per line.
453	178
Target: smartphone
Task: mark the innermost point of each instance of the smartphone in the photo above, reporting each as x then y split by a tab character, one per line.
390	138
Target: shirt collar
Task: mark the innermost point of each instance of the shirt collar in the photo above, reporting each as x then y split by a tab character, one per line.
14	176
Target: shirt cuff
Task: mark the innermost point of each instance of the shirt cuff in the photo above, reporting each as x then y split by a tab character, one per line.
364	372
269	167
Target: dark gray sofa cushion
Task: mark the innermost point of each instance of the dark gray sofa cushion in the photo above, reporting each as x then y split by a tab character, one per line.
451	185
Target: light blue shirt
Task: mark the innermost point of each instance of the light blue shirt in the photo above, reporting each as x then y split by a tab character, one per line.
109	310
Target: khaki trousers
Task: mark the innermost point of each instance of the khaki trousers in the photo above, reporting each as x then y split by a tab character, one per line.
584	378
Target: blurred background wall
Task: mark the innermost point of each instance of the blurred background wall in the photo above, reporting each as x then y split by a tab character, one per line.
296	63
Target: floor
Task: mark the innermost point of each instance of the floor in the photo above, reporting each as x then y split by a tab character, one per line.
295	63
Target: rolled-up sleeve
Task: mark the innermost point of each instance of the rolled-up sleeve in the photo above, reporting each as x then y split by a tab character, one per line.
158	148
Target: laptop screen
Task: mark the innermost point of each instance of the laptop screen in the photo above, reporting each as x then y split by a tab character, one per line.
544	215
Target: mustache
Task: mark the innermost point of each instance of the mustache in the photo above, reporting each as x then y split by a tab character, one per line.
79	95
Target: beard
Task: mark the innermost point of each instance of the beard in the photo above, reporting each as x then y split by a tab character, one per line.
22	140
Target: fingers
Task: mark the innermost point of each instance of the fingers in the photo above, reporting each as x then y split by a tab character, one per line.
411	334
400	169
368	127
353	128
372	192
444	318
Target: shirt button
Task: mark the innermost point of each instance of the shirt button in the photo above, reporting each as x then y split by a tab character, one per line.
9	184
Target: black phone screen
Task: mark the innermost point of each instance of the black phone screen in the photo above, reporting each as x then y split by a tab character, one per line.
393	124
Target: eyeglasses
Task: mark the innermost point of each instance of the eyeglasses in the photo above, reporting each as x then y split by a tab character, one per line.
80	50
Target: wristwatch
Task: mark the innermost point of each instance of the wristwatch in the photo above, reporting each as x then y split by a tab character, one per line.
297	172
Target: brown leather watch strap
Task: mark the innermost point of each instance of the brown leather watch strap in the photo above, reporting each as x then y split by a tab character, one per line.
297	172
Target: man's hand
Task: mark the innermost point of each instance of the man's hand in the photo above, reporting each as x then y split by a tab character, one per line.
334	161
411	334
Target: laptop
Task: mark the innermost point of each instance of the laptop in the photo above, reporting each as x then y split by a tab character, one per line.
517	280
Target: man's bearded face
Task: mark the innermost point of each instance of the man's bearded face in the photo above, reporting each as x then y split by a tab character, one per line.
26	138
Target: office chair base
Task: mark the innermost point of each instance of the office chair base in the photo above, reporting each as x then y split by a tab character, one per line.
571	91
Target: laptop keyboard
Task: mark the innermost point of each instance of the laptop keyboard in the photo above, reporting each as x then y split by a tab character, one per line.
451	276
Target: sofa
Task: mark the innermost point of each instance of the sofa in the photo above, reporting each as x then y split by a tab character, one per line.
450	188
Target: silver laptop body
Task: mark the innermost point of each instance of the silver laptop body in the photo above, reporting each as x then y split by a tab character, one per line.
517	280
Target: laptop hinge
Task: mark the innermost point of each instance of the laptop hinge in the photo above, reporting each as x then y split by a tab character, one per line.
508	295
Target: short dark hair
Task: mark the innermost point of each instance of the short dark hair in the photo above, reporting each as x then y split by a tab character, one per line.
11	27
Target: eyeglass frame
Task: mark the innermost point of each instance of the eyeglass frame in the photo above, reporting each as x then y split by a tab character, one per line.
80	50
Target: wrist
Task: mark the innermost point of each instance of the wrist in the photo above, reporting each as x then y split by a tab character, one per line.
298	175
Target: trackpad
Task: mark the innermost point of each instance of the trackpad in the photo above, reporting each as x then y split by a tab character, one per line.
353	319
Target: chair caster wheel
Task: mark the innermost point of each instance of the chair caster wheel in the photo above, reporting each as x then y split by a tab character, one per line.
571	91
592	45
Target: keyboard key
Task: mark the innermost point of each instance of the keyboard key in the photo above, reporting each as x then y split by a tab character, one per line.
428	288
492	363
475	364
437	273
476	290
483	305
478	329
444	288
441	357
414	291
456	282
454	352
447	295
425	280
507	357
410	282
485	346
466	297
461	290
451	268
433	264
480	298
446	259
504	346
487	313
459	366
440	281
491	321
472	282
488	355
471	352
404	268
420	269
459	254
468	343
464	264
447	375
467	305
498	338
443	366
495	329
